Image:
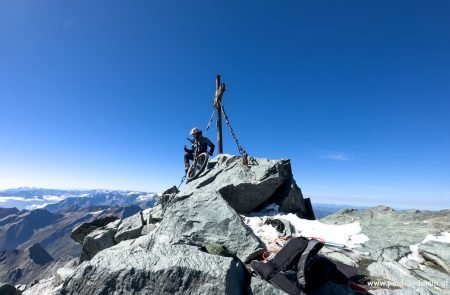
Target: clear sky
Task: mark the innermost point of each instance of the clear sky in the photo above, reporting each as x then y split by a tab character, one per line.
102	94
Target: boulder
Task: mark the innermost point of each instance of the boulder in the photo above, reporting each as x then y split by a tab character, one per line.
399	251
145	266
148	228
249	188
167	195
130	228
394	253
81	231
436	252
98	240
21	288
152	215
205	218
261	287
173	258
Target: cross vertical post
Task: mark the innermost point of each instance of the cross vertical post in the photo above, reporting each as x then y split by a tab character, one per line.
220	89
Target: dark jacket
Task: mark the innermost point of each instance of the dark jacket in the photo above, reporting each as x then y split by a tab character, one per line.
203	142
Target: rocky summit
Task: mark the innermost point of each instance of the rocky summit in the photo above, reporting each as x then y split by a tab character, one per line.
200	240
407	250
250	188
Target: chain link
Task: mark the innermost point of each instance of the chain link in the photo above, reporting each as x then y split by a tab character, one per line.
210	120
245	156
182	180
240	148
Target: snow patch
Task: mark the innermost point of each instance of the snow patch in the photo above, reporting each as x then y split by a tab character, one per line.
96	212
133	193
53	198
443	237
146	197
36	206
348	234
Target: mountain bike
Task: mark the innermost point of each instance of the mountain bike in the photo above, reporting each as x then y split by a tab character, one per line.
198	165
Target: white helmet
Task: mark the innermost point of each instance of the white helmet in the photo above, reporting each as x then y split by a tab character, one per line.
195	130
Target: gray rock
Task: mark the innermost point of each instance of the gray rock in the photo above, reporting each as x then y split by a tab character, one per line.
167	195
152	215
261	287
399	277
147	266
130	228
391	233
98	240
244	188
172	259
394	253
338	255
438	253
387	228
21	288
148	228
81	231
170	191
205	218
289	202
249	188
435	281
287	197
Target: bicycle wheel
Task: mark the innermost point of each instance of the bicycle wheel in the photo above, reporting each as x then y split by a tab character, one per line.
197	166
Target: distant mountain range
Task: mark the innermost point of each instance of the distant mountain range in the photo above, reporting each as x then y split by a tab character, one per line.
55	200
27	265
35	233
35	198
324	210
22	229
33	244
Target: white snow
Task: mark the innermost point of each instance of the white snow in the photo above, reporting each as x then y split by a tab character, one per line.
348	234
44	287
443	237
36	206
133	193
146	197
97	212
51	198
64	272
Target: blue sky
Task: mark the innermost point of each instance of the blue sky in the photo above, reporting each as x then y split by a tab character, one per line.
102	94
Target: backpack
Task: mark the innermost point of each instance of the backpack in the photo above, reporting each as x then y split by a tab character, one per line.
298	269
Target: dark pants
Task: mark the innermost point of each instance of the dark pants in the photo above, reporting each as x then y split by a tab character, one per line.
187	157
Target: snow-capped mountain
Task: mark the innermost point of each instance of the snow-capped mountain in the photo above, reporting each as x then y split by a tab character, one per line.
54	199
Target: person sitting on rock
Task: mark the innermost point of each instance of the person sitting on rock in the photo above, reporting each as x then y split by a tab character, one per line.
202	142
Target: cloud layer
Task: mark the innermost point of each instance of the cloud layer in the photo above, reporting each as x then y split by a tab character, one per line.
336	157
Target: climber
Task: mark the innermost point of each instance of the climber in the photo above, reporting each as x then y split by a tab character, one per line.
202	143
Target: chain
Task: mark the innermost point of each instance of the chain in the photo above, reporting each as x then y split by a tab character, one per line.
181	182
240	148
245	156
210	120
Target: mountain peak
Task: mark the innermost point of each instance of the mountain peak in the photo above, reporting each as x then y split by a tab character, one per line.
39	255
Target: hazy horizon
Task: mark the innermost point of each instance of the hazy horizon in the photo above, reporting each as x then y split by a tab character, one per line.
331	202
